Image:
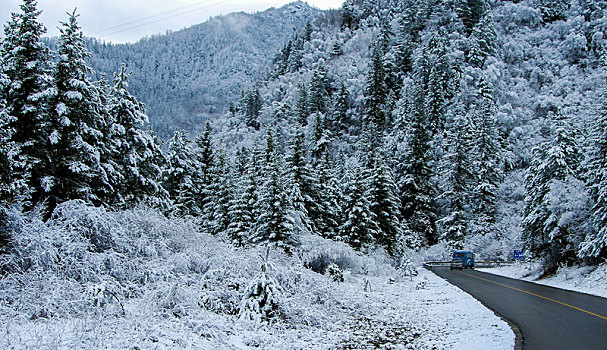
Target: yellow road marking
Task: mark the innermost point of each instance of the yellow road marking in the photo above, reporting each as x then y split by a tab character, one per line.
537	295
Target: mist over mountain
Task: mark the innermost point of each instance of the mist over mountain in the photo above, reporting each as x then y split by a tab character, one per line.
187	76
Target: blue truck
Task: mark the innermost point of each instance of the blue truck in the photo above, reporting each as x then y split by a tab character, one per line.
462	259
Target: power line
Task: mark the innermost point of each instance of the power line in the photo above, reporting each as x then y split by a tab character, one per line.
147	18
159	19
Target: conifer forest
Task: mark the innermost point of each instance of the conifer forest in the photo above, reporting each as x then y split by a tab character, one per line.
231	175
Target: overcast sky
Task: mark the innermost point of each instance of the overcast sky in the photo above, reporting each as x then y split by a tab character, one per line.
129	20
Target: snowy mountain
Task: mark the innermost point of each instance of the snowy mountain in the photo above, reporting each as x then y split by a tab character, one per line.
340	150
188	76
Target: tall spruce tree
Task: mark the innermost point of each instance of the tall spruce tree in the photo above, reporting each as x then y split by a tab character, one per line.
204	156
135	149
319	95
219	192
415	189
457	179
385	206
595	243
557	160
275	224
327	219
76	170
12	183
304	181
241	211
360	225
376	91
486	155
341	119
25	63
178	176
301	105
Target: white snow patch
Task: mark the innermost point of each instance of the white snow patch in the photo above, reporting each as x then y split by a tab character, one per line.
584	279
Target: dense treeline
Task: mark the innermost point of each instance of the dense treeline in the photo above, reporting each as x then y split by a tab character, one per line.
404	124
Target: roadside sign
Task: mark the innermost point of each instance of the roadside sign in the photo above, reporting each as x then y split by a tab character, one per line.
518	255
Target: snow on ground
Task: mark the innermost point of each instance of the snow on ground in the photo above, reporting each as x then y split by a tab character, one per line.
425	313
585	279
159	283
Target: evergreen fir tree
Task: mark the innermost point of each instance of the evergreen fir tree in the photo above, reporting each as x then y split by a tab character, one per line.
318	98
25	63
136	151
349	15
457	180
327	219
360	226
556	160
242	209
12	182
178	176
301	106
205	161
251	107
553	10
438	86
78	152
304	182
375	91
416	191
595	242
486	158
219	196
483	40
296	57
275	222
385	206
340	113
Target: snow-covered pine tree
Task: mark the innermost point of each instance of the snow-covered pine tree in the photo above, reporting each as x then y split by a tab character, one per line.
275	223
76	169
25	63
134	147
416	191
485	158
242	209
12	181
301	105
360	225
471	11
595	243
204	160
438	90
304	182
553	10
219	196
376	91
341	119
250	105
319	96
178	176
456	178
385	206
482	41
327	219
556	160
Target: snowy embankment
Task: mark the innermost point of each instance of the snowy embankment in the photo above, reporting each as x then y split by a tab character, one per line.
90	279
584	279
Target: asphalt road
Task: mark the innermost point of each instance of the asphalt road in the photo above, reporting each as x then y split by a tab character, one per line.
549	318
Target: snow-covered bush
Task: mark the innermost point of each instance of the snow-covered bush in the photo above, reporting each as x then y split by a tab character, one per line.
261	297
336	274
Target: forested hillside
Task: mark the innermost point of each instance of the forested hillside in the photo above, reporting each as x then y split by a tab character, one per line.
187	76
396	124
370	138
478	124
